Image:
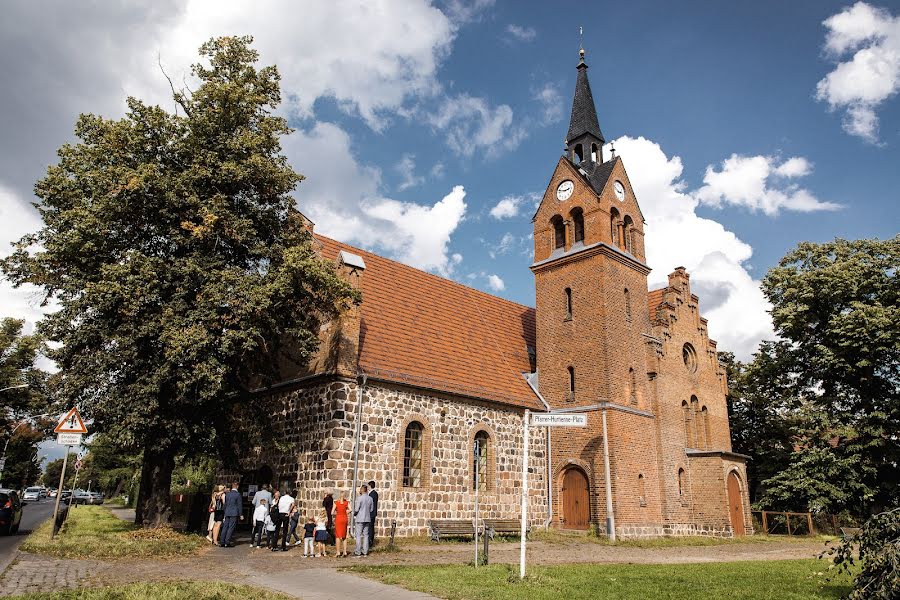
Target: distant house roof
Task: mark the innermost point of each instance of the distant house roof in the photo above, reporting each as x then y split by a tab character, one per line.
423	330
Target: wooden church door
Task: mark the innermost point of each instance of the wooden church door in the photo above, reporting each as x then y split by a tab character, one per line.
576	503
735	504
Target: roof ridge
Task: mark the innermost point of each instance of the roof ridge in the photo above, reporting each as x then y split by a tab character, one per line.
406	266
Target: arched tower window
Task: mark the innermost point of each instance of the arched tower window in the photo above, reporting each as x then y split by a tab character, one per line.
627	229
578	225
627	305
412	455
595	153
571	394
579	153
632	394
568	303
614	227
480	447
559	232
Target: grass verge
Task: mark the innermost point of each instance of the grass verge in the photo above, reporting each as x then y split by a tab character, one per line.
177	590
94	532
752	580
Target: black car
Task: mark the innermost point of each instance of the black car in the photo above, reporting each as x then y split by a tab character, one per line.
10	511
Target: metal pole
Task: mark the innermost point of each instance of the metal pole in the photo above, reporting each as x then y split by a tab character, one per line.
361	394
524	528
610	517
62	477
477	473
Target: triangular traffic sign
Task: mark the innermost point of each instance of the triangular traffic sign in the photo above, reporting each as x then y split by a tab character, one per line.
71	423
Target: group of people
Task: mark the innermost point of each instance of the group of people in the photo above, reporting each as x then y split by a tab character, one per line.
278	515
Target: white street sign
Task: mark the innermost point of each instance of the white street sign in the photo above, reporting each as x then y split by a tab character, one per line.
561	420
68	439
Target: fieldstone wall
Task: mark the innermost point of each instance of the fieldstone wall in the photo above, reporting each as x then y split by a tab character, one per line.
317	424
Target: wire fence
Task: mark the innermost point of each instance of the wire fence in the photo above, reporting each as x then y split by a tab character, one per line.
800	523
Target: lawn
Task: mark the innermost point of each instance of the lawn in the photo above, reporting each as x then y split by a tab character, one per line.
752	580
178	590
555	536
94	532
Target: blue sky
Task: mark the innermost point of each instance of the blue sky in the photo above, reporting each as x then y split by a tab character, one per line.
427	130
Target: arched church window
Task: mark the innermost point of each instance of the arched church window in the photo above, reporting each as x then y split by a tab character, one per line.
480	447
568	303
704	421
571	394
627	228
559	232
642	491
681	483
627	305
614	227
578	224
632	394
412	455
686	415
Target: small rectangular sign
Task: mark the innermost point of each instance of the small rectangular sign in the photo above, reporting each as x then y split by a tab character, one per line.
68	439
566	420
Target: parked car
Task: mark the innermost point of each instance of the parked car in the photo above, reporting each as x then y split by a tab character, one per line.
52	493
96	497
45	493
10	511
32	493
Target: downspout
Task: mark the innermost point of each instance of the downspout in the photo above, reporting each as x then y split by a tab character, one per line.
361	392
610	517
549	453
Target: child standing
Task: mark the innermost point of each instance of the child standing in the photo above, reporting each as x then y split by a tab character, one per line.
259	523
321	534
308	533
271	538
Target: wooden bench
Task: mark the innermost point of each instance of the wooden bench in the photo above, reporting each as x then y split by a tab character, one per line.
849	532
504	527
450	528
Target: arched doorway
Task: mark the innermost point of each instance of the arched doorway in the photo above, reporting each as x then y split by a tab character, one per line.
576	502
735	504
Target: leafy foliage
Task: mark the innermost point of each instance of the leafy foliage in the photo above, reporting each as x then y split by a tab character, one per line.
878	542
184	274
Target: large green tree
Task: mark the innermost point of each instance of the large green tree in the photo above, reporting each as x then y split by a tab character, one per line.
182	269
825	401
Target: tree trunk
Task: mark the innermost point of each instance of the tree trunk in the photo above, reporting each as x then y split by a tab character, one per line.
153	506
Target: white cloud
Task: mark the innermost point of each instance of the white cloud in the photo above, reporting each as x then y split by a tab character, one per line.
407	170
463	11
471	125
520	33
343	198
757	183
437	171
551	103
865	43
495	283
504	246
507	208
715	257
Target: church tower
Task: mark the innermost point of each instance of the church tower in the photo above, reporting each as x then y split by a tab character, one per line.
591	325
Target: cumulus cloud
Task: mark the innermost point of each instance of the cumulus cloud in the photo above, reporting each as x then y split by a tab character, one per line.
715	257
406	168
343	197
760	183
495	283
471	124
519	33
508	207
466	11
864	41
551	102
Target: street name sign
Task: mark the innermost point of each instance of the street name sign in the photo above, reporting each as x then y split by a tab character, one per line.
71	423
68	439
561	420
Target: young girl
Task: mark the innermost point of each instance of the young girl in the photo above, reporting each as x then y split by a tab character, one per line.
321	534
308	532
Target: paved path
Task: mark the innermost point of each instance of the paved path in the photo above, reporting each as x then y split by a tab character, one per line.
33	573
329	584
33	514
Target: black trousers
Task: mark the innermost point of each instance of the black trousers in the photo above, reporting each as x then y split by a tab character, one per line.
285	526
258	529
372	531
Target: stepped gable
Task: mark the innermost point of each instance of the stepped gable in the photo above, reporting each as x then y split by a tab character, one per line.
426	331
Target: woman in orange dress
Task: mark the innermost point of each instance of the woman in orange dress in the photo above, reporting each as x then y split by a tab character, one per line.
341	519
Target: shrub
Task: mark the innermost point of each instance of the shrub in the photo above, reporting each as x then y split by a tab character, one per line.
879	556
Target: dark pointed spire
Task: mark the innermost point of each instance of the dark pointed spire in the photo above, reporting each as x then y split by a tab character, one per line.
584	113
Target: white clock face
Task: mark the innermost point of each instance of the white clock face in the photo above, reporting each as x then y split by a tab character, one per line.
620	190
565	190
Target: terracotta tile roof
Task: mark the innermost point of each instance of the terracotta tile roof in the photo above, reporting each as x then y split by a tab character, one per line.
424	330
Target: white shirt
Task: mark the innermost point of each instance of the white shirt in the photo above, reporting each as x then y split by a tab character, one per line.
284	504
260	513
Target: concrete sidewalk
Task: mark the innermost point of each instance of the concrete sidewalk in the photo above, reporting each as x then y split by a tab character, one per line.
330	584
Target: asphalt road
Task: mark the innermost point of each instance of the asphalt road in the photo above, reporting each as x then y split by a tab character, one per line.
33	515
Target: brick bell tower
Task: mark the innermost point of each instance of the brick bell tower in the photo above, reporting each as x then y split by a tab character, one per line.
591	317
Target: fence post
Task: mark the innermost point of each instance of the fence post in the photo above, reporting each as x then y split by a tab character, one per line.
765	523
810	523
486	548
788	517
393	531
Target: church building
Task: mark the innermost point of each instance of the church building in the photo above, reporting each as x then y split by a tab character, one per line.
424	386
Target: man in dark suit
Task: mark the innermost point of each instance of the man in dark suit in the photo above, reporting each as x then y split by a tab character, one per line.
374	495
233	503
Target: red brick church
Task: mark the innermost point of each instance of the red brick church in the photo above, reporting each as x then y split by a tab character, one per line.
406	383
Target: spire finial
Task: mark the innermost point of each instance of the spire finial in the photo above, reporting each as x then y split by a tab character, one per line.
581	42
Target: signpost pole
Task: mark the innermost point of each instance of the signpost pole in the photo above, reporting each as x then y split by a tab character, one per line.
610	517
477	474
524	527
62	478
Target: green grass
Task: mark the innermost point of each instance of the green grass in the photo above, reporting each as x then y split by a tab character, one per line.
94	532
178	590
554	536
752	580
